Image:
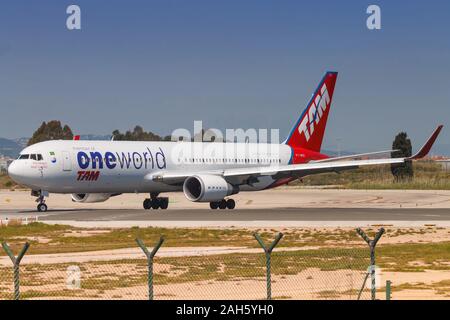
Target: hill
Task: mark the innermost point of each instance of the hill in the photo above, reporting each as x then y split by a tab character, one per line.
9	148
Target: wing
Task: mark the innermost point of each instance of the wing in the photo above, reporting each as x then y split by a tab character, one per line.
422	153
368	155
241	176
237	176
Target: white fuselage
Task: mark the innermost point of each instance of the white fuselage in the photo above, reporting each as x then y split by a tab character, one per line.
63	166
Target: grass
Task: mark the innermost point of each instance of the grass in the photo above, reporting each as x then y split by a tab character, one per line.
6	182
403	257
60	238
440	287
32	229
45	238
427	176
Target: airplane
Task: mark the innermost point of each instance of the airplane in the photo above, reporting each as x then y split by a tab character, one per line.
94	171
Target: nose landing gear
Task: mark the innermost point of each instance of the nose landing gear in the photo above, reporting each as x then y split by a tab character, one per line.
41	207
223	204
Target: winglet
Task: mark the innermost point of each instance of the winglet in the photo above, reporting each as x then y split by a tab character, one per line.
427	146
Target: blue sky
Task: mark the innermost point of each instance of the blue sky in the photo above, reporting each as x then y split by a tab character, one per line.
232	64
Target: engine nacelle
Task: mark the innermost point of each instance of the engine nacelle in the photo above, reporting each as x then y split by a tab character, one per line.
207	188
90	197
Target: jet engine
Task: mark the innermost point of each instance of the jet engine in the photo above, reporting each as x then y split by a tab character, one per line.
207	188
90	197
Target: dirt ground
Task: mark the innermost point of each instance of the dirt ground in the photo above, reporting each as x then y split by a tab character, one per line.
308	284
121	273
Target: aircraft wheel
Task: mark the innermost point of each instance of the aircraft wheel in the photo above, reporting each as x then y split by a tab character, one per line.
42	207
156	203
164	203
223	204
147	204
231	204
214	205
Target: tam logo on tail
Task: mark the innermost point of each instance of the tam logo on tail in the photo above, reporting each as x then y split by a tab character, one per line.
315	113
309	130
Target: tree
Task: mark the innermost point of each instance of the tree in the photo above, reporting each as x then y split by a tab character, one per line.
138	134
402	171
51	131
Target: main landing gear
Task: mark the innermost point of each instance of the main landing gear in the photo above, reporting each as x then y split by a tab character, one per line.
156	202
223	204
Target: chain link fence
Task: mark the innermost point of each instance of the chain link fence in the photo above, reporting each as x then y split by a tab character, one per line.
198	273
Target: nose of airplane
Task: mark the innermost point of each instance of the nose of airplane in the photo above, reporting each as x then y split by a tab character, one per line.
13	171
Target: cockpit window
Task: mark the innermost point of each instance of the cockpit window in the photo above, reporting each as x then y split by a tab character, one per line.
36	157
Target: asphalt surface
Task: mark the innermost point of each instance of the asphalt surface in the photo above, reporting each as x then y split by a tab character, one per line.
280	214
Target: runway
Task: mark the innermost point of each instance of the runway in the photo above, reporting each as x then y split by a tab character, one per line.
288	207
281	217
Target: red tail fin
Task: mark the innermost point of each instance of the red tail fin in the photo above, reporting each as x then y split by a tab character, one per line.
309	130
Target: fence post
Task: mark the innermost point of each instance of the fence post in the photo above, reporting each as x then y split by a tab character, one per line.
150	256
388	290
16	266
372	244
268	252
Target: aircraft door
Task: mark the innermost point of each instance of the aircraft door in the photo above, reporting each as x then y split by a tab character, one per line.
67	163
